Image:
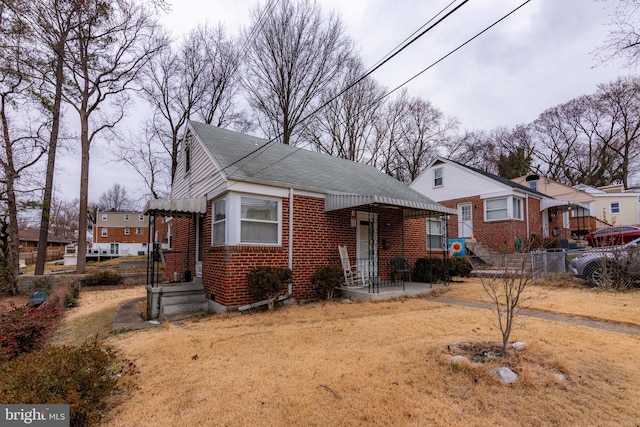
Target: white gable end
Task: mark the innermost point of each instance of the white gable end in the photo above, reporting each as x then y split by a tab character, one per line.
203	174
457	183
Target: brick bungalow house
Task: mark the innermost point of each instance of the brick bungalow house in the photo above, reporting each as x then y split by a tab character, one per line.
493	211
238	202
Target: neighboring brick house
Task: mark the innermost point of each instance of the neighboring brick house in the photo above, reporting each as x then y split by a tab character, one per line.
120	233
240	202
494	211
29	240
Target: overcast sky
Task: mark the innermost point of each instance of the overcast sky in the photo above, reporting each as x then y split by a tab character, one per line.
539	57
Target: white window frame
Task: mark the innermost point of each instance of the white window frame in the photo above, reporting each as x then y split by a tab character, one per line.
618	207
517	204
215	222
138	230
277	222
438	177
514	208
533	185
104	232
187	158
127	231
104	217
126	217
433	233
141	217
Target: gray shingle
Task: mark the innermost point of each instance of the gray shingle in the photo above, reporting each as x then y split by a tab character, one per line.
299	168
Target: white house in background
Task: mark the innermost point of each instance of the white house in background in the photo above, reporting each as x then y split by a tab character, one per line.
491	210
614	205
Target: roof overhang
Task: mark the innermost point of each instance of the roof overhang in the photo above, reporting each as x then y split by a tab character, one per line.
334	202
562	205
176	207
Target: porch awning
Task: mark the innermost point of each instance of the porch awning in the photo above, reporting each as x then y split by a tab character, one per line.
562	204
334	202
176	207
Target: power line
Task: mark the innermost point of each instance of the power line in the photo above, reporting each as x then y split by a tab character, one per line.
396	88
361	78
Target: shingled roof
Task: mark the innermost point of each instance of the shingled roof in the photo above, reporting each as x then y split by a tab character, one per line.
344	183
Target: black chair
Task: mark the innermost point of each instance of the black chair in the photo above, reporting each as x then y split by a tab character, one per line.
399	265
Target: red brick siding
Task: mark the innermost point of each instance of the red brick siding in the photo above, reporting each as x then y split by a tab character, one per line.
499	236
116	234
181	256
317	235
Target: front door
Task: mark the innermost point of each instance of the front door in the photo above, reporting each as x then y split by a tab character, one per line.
367	245
115	248
465	220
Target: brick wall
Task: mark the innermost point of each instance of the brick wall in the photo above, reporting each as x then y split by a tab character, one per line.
316	236
116	234
499	236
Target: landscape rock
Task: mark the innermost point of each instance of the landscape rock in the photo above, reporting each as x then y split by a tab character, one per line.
459	360
560	377
518	345
506	375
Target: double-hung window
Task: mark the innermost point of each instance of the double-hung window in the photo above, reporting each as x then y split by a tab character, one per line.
614	207
258	220
497	209
219	222
127	231
437	177
434	234
508	207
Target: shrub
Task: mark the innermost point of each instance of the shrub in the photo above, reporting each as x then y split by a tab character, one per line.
24	329
431	270
326	279
268	283
83	377
460	267
102	278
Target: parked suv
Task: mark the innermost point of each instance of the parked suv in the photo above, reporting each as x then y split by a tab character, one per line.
613	266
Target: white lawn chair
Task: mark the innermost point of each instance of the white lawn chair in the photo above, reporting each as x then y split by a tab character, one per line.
350	273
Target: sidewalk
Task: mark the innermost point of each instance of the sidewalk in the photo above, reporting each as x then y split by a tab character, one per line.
128	317
555	317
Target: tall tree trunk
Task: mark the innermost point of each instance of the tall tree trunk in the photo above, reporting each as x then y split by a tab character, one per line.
84	194
51	161
13	251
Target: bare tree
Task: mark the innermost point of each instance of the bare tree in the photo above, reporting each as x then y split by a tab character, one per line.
293	54
51	22
507	291
619	103
623	41
115	199
199	80
64	218
110	44
414	130
346	126
20	134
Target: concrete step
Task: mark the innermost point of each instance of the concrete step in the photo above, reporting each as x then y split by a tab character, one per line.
190	308
186	298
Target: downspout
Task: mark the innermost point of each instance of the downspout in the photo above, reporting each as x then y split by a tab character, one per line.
290	264
528	232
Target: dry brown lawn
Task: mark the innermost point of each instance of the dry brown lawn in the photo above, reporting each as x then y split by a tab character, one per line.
380	364
567	296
